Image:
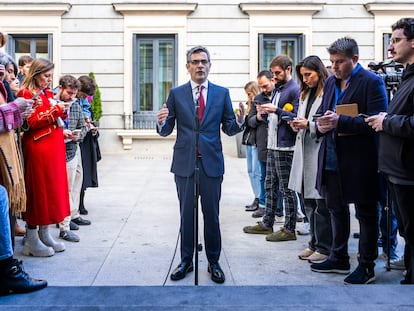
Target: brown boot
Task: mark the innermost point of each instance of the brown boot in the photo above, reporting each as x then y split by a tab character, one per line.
19	230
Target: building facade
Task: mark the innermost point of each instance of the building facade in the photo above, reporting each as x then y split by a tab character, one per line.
136	49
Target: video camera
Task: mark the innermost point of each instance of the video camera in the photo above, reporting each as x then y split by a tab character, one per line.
390	72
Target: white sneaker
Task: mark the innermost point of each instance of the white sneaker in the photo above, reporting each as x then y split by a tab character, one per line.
279	219
304	229
397	264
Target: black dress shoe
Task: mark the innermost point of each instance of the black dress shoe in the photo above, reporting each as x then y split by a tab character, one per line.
217	275
181	270
81	222
16	280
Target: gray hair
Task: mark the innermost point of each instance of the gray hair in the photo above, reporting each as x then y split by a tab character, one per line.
6	59
197	49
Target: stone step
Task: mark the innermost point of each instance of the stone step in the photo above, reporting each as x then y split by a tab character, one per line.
221	298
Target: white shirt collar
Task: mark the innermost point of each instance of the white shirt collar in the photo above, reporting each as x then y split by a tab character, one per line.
195	85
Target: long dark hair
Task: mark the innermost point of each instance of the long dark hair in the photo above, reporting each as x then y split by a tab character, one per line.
312	62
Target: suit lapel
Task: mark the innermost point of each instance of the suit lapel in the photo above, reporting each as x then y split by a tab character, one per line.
210	101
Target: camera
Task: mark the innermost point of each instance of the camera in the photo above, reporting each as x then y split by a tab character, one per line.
390	72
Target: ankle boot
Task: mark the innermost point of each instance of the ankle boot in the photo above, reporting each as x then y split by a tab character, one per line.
19	230
45	237
13	279
254	206
34	247
82	209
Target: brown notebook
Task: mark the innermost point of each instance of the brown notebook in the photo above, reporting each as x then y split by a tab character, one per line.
350	110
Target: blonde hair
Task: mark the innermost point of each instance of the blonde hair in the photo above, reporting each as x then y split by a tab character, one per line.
253	87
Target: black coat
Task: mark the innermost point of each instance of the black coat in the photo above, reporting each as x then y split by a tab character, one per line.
396	153
91	154
357	150
260	126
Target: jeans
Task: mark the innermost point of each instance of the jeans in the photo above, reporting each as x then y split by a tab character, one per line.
382	214
262	196
6	249
253	169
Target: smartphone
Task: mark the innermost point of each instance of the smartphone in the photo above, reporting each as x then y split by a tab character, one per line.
316	115
287	118
363	115
76	132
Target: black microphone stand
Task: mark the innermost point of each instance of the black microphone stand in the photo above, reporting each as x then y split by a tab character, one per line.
196	188
389	205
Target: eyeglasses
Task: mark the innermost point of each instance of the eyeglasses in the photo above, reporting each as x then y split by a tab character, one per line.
198	61
396	40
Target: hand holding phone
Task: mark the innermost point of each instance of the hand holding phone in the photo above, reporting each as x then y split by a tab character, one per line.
363	115
316	115
287	118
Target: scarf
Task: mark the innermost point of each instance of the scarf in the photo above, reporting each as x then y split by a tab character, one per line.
11	173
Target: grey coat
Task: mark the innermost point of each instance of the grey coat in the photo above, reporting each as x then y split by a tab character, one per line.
305	156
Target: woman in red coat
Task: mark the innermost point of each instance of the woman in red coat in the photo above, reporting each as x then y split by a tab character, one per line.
44	162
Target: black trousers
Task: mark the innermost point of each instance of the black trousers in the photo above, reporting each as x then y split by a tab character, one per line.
367	216
403	198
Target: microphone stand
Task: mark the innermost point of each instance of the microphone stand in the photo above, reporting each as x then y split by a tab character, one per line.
196	189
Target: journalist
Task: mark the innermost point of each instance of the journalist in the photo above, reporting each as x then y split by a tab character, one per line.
396	148
347	161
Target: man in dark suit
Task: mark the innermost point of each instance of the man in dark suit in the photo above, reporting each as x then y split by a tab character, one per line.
181	109
347	162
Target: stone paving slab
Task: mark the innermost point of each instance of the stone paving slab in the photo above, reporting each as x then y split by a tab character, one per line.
130	247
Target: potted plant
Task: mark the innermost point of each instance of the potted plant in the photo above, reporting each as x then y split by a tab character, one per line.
96	102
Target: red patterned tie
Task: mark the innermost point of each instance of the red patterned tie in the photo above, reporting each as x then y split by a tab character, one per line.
201	103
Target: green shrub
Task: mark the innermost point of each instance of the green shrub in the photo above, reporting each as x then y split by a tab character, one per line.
96	103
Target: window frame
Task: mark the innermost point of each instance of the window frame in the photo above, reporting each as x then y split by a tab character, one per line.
11	45
147	118
299	52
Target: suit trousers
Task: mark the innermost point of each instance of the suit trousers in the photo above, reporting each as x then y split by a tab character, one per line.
403	198
367	216
210	193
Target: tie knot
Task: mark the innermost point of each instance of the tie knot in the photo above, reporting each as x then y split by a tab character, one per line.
200	88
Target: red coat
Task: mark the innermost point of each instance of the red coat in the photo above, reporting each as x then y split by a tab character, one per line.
44	155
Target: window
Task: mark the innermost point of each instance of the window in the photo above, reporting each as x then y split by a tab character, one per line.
386	37
155	73
271	45
36	45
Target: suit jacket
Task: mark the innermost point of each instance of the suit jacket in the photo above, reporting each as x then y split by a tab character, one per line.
356	150
218	111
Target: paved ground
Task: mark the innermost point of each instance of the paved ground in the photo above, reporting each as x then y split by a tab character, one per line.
133	235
